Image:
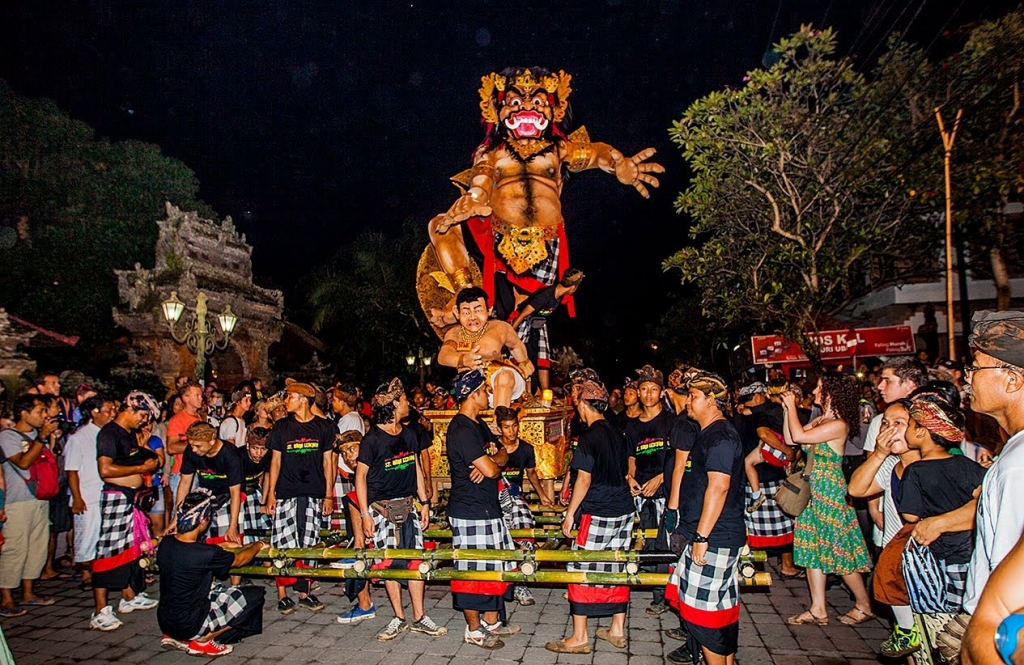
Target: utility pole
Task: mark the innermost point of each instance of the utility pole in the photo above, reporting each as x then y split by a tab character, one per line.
947	143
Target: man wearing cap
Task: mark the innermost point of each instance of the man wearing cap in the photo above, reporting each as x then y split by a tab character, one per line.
996	380
123	465
218	466
704	585
479	343
388	480
475	513
531	320
232	428
300	490
650	463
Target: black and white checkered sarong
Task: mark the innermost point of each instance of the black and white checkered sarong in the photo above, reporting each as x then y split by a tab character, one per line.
768	526
956	584
481	535
525	331
116	533
515	510
254	521
226	603
602	533
221	520
292	530
713	587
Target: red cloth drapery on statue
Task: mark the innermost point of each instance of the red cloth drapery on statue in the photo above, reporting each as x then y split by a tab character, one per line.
482	232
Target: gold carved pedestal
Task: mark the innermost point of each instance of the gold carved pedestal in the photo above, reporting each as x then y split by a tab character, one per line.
545	428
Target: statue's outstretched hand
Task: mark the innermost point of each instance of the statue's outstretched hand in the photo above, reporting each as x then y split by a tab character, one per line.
636	170
463	208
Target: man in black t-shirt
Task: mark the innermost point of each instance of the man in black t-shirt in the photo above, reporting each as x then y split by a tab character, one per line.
531	321
388	480
219	468
704	584
650	464
255	464
474	512
300	491
196	611
122	465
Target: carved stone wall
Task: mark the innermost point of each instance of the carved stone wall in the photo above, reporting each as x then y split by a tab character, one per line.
13	361
192	255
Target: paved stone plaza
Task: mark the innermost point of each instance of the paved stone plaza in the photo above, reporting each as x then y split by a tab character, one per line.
60	634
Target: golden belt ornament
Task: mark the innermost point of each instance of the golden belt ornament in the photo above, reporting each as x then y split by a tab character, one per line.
523	247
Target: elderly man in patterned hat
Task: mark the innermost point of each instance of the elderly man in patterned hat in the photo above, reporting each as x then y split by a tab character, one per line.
996	379
123	466
704	585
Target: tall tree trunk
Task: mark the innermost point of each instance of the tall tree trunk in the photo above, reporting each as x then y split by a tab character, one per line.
1001	278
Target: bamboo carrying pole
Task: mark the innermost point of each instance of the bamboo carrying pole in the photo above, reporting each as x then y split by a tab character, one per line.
447	574
446	534
947	143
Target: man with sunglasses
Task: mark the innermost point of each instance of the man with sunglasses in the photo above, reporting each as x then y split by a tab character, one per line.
996	381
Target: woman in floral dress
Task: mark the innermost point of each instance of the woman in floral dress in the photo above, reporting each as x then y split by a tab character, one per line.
827	538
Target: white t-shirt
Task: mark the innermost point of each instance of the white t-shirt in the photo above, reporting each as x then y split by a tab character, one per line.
892	521
873	429
351	421
80	456
1000	520
233	427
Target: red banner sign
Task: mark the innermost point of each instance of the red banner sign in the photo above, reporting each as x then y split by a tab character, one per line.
836	345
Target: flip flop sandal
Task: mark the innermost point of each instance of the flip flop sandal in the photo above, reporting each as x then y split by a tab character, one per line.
799	575
849	619
806	619
39	601
17	611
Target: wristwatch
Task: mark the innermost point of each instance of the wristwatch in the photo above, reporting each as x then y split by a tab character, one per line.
697	538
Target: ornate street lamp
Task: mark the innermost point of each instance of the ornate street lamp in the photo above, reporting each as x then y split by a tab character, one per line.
197	335
421	361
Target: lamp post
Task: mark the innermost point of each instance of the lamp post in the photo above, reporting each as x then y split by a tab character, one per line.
420	361
197	335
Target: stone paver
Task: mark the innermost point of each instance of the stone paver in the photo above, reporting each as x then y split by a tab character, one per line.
59	635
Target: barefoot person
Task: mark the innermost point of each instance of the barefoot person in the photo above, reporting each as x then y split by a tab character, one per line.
478	343
602	500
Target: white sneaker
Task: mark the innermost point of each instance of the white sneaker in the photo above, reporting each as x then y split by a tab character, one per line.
105	620
140	602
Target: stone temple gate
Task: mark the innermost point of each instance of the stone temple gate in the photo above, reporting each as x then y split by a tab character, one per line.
192	255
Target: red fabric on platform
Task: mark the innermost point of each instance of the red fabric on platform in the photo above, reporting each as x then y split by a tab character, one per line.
481	588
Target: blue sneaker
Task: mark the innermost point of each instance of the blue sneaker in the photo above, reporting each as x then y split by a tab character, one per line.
343	564
355	615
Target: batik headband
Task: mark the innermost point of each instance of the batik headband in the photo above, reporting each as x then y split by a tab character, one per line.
140	401
927	411
389	393
647	374
709	383
194	516
467	382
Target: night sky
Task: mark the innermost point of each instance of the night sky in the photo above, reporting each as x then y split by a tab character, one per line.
309	122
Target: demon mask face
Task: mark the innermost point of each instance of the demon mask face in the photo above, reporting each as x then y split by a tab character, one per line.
525	103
